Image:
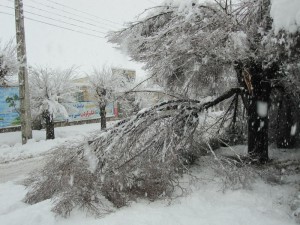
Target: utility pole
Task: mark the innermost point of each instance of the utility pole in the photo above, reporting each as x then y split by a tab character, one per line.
23	74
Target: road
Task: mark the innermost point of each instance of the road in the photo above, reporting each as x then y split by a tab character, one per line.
21	168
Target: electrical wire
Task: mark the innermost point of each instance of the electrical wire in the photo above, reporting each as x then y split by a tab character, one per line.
63	16
54	25
51	7
54	2
56	20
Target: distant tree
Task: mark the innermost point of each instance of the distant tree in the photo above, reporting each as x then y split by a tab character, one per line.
106	87
8	61
49	88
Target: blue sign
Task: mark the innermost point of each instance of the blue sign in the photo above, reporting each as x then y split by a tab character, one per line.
9	116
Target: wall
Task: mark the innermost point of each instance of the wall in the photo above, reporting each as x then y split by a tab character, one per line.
8	115
78	111
85	111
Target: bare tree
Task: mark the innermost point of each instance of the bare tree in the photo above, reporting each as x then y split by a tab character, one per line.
49	88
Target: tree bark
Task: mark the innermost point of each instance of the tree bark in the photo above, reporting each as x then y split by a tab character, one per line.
286	123
258	125
103	117
49	125
255	79
258	116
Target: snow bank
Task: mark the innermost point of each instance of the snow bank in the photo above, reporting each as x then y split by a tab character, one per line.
286	15
11	148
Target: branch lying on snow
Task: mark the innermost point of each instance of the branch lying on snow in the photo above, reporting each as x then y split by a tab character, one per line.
142	156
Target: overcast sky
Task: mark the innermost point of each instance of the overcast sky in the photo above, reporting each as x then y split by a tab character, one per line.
55	47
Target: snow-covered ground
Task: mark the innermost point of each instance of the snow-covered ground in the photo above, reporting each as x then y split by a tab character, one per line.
11	148
205	204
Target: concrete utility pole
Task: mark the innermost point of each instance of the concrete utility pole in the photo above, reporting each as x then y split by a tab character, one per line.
23	74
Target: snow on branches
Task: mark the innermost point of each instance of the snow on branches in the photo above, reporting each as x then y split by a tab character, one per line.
185	46
49	88
107	85
8	61
140	157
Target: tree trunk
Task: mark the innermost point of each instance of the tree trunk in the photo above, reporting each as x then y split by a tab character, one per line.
49	125
286	123
255	79
103	117
258	125
258	117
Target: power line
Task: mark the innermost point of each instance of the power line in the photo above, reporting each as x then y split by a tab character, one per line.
82	12
54	25
70	18
60	21
63	16
51	7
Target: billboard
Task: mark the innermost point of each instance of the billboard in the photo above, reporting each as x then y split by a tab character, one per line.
9	116
85	111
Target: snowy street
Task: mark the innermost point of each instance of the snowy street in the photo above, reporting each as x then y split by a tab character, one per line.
17	161
18	169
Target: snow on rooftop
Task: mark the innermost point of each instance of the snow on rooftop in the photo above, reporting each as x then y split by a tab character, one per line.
286	15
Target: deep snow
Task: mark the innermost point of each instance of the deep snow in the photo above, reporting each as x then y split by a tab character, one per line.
205	203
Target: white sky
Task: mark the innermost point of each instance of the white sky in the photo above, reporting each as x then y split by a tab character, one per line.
54	47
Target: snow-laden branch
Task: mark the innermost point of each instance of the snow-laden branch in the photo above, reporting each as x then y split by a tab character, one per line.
8	61
139	157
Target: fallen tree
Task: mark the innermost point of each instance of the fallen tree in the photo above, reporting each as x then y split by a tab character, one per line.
140	157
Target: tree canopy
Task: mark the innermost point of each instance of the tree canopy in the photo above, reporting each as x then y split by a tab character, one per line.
193	47
8	61
49	88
